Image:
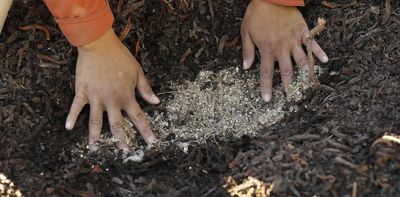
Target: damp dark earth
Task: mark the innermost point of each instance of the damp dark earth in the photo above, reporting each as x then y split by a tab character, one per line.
215	135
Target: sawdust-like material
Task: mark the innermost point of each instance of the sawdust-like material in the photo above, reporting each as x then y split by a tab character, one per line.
248	188
218	105
225	105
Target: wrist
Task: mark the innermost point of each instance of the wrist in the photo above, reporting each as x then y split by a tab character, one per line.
291	3
104	41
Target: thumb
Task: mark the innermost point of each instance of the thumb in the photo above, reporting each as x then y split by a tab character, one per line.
248	48
145	90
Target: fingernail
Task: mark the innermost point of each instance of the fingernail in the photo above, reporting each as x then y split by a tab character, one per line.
68	125
246	64
125	150
93	147
122	145
151	140
325	59
155	99
267	97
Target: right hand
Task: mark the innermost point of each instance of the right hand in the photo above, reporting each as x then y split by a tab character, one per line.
278	32
107	75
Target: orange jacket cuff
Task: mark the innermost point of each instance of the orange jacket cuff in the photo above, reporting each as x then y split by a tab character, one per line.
287	2
82	29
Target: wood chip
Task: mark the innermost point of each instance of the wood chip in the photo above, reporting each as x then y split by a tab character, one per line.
354	191
388	10
51	59
302	137
126	30
119	6
334	5
387	139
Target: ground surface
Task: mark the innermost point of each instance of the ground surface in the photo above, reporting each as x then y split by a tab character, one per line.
326	148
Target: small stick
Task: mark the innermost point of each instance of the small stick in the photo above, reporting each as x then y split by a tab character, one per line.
354	192
119	6
137	47
387	139
391	138
388	10
333	5
309	40
126	30
344	162
50	59
211	9
302	137
168	92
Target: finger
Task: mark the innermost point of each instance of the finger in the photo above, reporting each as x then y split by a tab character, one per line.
95	124
79	102
286	69
317	50
266	76
300	57
248	48
138	118
145	90
116	126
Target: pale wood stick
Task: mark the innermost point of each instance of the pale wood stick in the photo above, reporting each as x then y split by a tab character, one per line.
309	39
5	6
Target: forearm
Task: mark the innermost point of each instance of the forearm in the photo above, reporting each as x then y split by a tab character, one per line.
81	21
287	2
4	8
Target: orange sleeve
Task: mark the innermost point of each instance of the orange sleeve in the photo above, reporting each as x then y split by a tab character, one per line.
81	21
287	2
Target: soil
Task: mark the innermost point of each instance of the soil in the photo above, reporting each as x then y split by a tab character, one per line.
332	143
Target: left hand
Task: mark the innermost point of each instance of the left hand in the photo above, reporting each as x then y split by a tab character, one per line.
107	75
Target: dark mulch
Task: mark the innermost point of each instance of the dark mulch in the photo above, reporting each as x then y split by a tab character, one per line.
322	150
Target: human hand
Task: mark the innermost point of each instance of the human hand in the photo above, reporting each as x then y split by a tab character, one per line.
4	8
278	32
106	77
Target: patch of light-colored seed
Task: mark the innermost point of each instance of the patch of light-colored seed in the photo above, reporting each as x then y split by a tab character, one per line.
224	104
218	105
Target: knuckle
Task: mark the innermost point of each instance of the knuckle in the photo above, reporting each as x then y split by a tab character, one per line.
286	71
303	62
269	46
139	116
243	29
80	87
116	125
247	52
95	121
79	100
267	75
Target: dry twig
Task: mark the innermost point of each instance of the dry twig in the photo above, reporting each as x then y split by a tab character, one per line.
334	5
340	160
131	7
309	40
354	191
119	6
126	30
211	9
50	59
39	27
387	139
137	47
310	59
388	10
303	137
